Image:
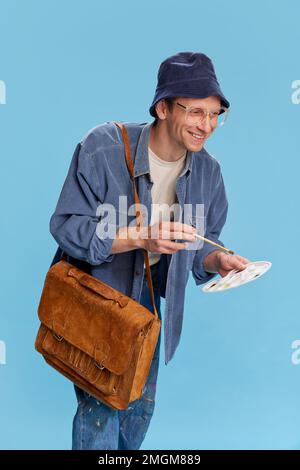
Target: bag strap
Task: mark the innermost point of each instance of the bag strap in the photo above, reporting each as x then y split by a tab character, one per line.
137	201
139	218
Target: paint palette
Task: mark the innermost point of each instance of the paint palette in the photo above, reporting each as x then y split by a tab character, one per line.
236	278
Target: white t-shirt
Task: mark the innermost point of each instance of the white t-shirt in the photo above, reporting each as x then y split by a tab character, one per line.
164	175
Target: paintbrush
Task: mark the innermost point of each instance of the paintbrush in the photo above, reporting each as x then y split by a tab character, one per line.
213	243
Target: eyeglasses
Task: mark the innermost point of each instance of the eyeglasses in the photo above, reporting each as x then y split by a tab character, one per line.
194	116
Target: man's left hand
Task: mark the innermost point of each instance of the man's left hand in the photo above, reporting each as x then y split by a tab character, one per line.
223	263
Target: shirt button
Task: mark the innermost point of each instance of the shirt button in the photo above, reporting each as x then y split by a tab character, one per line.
137	273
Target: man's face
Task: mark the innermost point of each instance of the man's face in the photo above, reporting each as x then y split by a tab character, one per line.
191	136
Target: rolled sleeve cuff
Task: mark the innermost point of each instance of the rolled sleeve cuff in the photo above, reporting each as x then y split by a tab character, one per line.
200	275
100	247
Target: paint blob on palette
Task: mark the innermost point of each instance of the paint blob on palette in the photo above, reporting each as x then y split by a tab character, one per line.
236	278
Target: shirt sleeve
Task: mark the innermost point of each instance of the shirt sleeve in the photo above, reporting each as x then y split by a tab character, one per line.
75	224
216	218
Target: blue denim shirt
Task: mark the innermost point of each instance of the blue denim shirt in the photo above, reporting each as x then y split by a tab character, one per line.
98	175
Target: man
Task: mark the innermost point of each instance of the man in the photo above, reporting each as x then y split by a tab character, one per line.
171	167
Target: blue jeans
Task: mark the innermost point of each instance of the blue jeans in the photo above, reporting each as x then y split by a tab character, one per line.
97	426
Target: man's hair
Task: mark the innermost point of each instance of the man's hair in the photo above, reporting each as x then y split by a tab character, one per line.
170	103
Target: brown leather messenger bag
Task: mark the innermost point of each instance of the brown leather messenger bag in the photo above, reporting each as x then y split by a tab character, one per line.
93	334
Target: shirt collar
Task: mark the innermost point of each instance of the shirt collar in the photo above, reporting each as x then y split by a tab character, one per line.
141	163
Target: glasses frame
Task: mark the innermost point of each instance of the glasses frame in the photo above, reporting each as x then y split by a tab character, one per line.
211	114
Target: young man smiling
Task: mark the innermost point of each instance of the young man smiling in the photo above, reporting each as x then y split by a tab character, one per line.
171	166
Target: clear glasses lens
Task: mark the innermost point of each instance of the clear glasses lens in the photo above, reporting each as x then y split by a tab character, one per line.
196	116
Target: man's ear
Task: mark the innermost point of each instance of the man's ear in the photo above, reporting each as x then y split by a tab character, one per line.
160	109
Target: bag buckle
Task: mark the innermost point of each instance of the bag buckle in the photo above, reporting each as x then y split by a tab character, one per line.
58	337
100	366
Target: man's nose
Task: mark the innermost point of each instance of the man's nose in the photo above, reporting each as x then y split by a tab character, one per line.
205	125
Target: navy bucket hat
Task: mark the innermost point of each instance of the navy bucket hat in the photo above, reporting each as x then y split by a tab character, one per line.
188	74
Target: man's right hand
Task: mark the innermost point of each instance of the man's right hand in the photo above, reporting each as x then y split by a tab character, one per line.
157	238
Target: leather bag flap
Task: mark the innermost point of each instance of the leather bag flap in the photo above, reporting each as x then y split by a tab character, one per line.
97	319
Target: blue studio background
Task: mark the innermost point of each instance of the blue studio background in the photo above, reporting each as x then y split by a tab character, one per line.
67	66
